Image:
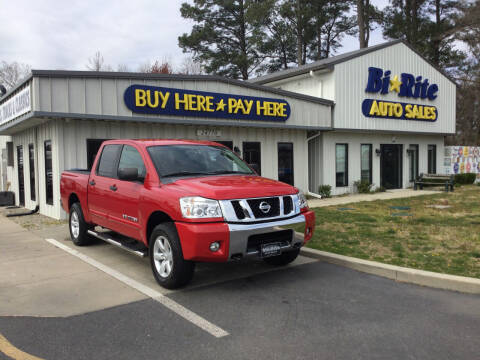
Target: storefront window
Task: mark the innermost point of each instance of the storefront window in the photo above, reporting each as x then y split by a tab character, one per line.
285	162
413	162
432	159
31	165
21	182
252	155
341	164
366	163
228	144
48	172
93	145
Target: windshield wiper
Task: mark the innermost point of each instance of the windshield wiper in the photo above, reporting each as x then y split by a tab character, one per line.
185	173
230	172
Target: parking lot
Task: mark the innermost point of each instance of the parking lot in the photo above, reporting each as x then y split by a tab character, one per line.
98	302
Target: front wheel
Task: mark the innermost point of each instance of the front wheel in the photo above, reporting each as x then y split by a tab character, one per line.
283	259
169	267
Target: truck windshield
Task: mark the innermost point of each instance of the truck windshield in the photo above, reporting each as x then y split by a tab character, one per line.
196	160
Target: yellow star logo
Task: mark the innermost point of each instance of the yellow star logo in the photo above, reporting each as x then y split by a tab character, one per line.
395	84
221	105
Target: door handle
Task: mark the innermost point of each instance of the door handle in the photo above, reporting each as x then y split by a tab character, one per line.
92	182
113	187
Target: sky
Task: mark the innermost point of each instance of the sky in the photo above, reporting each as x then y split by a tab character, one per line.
59	34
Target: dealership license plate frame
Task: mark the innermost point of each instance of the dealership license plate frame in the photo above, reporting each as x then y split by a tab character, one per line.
267	251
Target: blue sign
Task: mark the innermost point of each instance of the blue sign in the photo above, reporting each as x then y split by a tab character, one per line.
399	111
407	86
155	100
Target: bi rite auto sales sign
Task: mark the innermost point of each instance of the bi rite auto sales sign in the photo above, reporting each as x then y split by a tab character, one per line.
407	87
167	101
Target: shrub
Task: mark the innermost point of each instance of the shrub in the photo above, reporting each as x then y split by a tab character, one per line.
465	179
380	189
363	187
325	191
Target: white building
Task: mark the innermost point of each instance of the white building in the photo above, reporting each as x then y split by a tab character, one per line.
305	126
388	149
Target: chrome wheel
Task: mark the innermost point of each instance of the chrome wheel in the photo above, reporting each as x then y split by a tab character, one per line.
162	256
75	224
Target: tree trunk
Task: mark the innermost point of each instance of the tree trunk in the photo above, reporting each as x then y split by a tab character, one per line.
436	40
361	23
299	33
243	44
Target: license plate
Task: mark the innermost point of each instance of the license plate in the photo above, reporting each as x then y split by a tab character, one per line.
268	250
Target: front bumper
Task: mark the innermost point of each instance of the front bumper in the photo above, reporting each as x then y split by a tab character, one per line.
234	238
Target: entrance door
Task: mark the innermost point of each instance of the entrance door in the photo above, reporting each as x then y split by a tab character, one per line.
391	166
21	181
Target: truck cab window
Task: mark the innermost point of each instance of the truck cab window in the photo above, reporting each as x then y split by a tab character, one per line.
131	158
107	164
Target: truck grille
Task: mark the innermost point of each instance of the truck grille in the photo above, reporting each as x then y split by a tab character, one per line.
265	207
238	210
259	209
284	237
287	205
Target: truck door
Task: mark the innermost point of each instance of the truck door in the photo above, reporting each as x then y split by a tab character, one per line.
100	185
125	210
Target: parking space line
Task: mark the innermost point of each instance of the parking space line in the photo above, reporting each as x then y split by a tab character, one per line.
12	352
155	295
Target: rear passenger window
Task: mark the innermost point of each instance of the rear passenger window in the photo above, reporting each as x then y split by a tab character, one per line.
131	158
106	167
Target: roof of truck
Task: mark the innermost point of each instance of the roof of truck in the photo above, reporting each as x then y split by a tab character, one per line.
157	142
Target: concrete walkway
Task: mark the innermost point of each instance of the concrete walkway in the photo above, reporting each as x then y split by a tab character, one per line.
38	279
353	198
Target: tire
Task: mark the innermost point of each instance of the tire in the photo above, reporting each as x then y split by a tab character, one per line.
169	267
283	259
78	227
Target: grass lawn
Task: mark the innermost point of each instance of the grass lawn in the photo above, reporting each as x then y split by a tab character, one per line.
422	237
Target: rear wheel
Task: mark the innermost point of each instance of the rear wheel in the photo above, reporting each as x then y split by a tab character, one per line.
283	259
78	226
169	267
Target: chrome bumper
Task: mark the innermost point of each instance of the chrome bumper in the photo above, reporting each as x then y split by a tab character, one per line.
240	233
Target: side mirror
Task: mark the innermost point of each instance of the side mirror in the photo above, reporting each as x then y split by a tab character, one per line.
255	167
128	174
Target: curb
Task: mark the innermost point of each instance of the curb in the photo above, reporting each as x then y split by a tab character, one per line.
397	273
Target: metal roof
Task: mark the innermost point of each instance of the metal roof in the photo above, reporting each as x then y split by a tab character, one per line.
332	61
174	77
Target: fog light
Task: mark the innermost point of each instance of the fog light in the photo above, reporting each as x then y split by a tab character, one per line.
214	246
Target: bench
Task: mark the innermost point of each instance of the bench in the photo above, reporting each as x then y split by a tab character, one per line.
434	179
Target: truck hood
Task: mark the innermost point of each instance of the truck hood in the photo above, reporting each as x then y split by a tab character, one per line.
231	187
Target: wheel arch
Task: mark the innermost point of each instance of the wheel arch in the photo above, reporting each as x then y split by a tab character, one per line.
155	218
72	199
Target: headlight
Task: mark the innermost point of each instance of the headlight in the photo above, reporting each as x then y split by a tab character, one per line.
199	207
302	200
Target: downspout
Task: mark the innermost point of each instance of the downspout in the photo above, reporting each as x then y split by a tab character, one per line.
315	195
37	177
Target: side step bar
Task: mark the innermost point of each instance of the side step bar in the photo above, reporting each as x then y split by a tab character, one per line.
122	242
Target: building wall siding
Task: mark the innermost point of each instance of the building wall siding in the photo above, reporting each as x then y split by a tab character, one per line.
354	140
351	81
100	96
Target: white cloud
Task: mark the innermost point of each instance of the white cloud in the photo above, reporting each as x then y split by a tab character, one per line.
56	34
53	34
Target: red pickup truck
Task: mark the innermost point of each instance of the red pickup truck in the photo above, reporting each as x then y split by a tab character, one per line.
181	202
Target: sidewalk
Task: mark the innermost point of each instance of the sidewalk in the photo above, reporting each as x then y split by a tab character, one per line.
353	198
37	279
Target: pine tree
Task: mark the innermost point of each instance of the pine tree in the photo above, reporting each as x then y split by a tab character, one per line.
225	38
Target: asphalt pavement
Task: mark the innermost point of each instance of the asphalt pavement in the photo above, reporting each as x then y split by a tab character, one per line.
311	311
